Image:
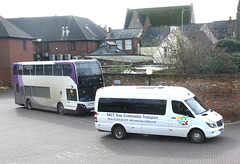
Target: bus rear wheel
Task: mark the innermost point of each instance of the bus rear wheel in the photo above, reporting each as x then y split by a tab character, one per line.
29	104
60	108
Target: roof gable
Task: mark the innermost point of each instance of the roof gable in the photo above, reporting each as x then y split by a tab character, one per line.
162	15
8	30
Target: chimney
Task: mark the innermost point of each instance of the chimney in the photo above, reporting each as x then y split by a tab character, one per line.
63	31
67	31
109	29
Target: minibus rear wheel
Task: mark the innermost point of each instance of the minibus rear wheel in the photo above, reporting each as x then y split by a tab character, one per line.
119	132
197	136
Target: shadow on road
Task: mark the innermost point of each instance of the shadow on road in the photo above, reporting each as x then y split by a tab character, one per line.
81	121
175	147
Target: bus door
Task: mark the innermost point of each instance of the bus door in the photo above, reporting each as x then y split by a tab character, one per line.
71	99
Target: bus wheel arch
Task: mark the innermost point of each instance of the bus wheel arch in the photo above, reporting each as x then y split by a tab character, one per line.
29	104
196	135
60	108
119	132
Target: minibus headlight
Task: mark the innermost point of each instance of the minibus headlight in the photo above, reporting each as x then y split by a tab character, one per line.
211	124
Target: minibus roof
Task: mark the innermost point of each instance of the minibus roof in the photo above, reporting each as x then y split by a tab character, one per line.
147	92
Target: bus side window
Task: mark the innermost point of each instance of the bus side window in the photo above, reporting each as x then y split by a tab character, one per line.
48	70
26	70
33	71
15	70
57	69
20	70
67	70
39	69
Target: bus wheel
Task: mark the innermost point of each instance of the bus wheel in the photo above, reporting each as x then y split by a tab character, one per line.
197	136
119	132
60	108
29	104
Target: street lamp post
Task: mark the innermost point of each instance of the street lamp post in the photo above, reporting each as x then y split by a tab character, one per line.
149	73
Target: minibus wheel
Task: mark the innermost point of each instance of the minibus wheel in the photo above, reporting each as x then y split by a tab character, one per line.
60	108
29	104
197	136
119	132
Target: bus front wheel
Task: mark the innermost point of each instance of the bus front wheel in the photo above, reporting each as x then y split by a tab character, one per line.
60	108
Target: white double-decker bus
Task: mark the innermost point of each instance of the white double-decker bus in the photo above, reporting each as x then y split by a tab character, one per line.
62	86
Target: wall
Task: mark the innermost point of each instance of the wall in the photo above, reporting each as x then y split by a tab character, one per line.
11	50
219	92
64	47
4	59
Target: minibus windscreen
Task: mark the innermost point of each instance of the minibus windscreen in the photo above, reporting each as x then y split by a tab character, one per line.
196	105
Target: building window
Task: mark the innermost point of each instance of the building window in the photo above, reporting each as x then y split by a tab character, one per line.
73	46
119	44
24	45
46	46
128	45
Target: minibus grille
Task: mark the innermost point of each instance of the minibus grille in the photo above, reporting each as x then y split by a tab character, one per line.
220	123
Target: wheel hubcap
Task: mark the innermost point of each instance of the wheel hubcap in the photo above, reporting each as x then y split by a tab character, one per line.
119	133
197	137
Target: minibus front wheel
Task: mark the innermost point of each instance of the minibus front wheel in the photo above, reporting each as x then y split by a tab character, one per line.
119	132
197	136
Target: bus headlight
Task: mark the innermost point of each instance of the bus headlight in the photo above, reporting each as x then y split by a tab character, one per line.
211	124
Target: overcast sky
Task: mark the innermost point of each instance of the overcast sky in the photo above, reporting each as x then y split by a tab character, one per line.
112	12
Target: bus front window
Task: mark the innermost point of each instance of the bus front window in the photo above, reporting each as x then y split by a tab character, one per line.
90	78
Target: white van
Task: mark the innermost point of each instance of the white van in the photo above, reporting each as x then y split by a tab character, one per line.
157	110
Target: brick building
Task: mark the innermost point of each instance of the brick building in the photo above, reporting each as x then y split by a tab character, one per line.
56	36
15	45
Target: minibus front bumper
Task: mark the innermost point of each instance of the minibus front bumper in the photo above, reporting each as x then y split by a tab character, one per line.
213	132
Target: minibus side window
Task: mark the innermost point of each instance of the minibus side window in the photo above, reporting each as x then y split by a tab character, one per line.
137	106
179	108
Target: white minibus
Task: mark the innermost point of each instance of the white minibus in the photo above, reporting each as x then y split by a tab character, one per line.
155	110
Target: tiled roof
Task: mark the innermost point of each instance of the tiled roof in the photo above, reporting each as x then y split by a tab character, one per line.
219	28
50	28
162	15
8	30
124	34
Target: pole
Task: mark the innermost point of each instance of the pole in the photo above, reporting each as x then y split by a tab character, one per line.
149	80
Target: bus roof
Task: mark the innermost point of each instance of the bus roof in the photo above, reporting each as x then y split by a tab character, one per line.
52	62
174	92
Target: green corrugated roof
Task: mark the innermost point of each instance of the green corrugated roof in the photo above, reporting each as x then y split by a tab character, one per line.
162	15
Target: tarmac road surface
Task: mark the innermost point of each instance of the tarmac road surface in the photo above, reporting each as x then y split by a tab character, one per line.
36	136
